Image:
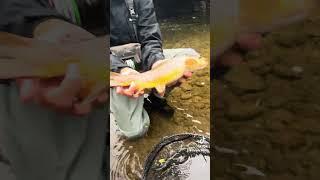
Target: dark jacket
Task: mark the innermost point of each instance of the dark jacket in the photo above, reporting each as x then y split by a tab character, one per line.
21	17
149	36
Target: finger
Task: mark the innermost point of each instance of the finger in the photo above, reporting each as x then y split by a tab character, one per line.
187	74
141	92
133	87
102	98
250	41
82	109
28	89
119	90
131	90
63	96
124	91
138	94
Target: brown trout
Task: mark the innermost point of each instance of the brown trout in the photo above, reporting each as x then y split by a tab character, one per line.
170	70
22	57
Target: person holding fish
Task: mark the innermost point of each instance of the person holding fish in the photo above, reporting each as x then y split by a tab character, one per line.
134	21
154	68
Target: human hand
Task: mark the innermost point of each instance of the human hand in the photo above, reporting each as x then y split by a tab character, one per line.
132	90
185	76
245	42
61	93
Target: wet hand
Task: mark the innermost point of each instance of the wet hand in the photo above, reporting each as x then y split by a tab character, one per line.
132	90
60	94
246	42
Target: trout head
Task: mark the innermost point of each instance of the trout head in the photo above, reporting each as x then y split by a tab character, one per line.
195	63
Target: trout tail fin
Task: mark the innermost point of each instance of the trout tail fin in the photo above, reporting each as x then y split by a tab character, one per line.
115	79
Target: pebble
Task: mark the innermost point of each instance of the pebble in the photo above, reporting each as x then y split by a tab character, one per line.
186	87
186	96
297	69
242	80
200	84
243	111
201	73
283	71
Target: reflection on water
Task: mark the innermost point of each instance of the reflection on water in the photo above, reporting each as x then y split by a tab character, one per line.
122	156
191	102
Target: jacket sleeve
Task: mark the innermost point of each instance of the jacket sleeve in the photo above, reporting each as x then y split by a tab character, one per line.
116	64
149	34
21	16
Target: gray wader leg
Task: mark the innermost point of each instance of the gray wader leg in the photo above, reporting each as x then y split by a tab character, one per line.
130	116
44	145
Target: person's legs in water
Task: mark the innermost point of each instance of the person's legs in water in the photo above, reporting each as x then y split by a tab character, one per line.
130	116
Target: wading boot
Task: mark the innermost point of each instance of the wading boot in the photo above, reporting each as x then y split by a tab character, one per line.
156	103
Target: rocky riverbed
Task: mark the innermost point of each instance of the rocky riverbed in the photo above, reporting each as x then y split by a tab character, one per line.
266	111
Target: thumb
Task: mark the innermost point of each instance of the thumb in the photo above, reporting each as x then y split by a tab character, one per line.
28	88
187	74
69	88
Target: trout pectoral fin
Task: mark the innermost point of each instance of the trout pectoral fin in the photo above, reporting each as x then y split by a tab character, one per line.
160	88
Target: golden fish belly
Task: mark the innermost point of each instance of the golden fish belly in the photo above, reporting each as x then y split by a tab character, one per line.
159	78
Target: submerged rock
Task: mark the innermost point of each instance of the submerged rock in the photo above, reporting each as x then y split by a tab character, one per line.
186	87
242	80
186	96
260	67
294	72
243	111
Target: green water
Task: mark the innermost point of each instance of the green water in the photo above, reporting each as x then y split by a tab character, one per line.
191	102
